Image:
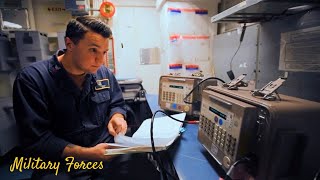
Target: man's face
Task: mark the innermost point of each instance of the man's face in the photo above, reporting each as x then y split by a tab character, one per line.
89	54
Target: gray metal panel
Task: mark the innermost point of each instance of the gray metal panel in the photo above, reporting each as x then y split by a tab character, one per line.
17	16
8	129
300	84
10	3
224	47
259	10
31	41
61	43
4	52
300	50
6	83
71	5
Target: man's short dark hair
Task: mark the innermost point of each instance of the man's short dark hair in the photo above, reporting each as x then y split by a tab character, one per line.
77	28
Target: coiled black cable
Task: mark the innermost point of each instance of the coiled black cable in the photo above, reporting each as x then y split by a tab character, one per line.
185	98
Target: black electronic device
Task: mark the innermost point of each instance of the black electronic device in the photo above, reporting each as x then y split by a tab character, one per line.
137	106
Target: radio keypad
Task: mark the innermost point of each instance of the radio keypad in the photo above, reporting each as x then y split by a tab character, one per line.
218	135
230	145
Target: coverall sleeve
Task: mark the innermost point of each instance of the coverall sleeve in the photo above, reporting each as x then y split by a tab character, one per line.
33	120
117	102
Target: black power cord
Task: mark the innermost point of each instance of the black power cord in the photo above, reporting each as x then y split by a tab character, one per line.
185	98
230	73
163	171
249	160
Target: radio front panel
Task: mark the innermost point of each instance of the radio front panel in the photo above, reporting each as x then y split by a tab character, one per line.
226	127
172	92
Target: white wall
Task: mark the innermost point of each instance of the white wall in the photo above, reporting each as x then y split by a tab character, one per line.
135	25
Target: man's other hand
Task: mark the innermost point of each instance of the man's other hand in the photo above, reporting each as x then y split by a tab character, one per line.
117	125
97	152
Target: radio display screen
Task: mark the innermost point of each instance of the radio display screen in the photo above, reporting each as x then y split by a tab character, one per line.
217	112
174	86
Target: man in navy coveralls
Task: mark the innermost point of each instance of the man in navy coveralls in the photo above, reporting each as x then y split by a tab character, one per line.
71	105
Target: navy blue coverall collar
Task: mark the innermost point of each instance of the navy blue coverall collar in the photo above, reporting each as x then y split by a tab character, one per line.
67	84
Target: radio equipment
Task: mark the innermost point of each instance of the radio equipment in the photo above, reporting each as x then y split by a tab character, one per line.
282	134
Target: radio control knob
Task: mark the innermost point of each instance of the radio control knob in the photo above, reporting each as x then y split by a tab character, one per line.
226	162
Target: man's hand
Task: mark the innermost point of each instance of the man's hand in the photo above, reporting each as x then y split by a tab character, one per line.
117	125
95	153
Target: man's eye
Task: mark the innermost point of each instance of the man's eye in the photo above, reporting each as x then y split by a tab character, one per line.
105	52
93	50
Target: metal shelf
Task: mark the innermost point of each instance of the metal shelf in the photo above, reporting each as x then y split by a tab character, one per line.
260	10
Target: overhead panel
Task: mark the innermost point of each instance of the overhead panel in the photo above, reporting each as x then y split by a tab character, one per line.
261	10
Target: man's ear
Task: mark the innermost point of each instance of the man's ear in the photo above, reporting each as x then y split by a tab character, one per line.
69	44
